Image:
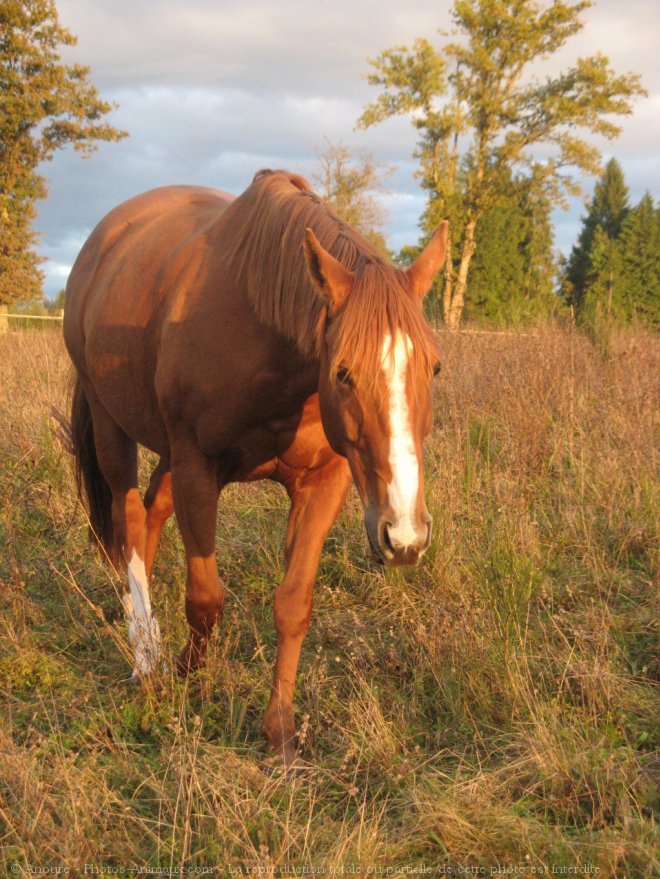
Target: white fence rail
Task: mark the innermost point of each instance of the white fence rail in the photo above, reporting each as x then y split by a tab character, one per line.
9	321
21	320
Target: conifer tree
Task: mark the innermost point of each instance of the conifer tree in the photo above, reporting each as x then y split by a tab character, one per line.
541	265
602	299
607	211
640	263
512	273
45	106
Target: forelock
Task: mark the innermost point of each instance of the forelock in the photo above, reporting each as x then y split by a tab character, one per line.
378	305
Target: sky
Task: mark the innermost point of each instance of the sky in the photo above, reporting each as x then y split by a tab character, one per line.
211	91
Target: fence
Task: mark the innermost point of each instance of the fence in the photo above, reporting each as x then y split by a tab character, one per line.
25	321
9	322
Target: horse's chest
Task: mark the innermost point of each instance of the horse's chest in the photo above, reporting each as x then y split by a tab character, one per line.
281	447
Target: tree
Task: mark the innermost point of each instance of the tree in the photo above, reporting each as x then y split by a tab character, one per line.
348	181
512	272
613	273
640	263
45	106
480	114
602	299
56	305
607	211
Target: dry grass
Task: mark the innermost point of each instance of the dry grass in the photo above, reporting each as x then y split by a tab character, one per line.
495	709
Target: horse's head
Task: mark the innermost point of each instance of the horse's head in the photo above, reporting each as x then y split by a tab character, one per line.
378	360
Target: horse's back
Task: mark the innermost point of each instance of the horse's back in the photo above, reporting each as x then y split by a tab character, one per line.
140	236
141	256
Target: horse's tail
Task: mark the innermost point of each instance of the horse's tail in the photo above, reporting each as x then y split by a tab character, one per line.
90	476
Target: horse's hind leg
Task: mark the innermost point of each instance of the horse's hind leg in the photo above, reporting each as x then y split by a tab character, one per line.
159	504
117	458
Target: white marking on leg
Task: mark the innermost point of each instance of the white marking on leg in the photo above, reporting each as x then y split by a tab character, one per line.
143	628
403	490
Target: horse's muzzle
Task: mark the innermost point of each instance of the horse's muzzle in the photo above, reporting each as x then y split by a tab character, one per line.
387	549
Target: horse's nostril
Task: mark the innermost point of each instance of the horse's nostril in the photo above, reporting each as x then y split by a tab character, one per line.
384	539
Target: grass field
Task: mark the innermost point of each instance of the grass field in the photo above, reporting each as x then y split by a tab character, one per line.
493	712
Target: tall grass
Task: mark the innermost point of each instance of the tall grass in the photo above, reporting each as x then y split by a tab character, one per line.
494	709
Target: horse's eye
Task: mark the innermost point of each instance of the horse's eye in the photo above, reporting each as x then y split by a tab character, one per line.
436	370
344	377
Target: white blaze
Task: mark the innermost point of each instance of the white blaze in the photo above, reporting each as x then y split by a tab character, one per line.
143	628
404	487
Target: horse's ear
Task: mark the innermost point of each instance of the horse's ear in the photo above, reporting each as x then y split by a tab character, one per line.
427	265
330	278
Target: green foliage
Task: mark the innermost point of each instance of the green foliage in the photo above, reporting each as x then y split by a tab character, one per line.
613	272
606	211
640	263
511	277
480	113
412	81
57	304
602	298
45	106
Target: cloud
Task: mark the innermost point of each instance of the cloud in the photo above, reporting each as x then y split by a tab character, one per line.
211	91
274	45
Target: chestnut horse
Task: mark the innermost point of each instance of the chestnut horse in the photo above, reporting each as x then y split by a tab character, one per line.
240	339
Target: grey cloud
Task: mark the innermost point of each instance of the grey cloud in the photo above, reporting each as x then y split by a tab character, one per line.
273	45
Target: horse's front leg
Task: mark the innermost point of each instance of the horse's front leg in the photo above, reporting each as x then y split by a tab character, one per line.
316	498
195	489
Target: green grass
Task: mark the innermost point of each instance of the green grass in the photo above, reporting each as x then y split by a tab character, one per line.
494	709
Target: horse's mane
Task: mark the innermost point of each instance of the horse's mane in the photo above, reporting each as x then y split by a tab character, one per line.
267	251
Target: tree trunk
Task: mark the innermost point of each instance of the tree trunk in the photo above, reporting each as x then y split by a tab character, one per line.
449	280
457	294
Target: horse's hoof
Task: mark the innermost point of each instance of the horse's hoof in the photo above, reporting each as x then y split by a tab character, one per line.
191	659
